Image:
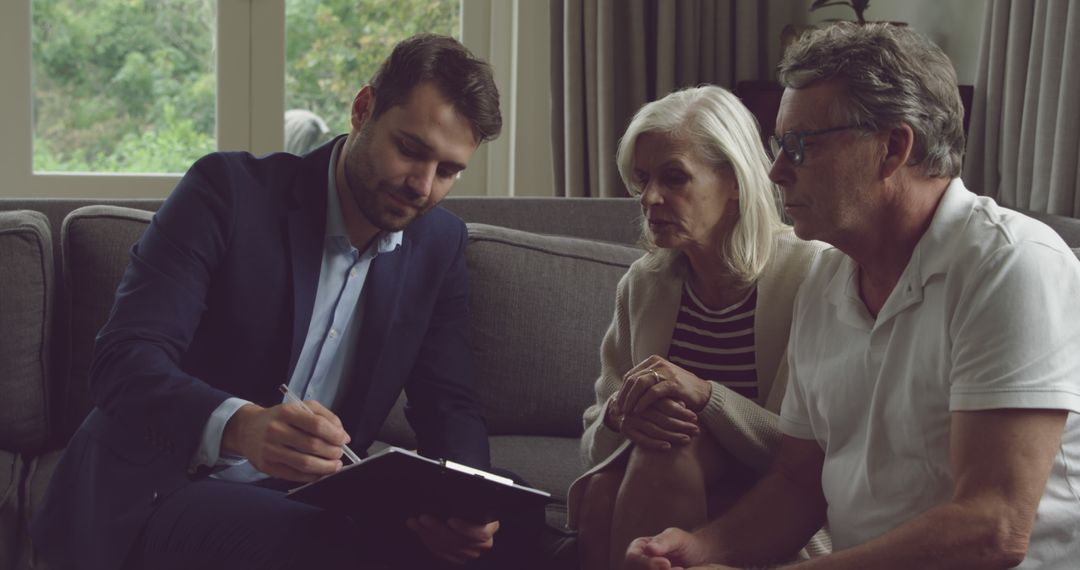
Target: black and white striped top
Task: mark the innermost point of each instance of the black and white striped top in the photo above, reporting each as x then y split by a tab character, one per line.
717	345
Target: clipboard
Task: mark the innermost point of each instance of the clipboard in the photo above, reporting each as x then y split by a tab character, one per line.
396	484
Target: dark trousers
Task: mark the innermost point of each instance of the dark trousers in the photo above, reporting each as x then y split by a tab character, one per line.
213	524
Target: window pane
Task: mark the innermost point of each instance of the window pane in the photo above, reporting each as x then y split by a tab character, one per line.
334	46
123	85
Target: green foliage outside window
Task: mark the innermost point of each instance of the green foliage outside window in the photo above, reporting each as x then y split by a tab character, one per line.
129	85
122	85
334	46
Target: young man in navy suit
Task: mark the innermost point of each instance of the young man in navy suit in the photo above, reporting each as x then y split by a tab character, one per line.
332	273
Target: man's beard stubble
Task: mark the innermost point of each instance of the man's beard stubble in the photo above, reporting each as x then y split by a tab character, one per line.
359	169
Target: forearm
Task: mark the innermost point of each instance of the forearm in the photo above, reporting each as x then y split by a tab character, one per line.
457	433
949	536
132	383
988	522
444	408
136	376
746	430
768	525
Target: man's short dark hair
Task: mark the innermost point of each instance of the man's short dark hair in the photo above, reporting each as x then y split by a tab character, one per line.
460	76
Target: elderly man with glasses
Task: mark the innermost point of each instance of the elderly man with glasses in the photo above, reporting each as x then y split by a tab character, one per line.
931	415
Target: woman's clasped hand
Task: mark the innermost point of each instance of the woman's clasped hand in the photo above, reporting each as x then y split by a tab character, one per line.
658	404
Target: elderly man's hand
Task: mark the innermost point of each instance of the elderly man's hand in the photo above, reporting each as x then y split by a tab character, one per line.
672	549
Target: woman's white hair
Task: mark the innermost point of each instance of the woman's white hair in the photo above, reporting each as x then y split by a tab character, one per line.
715	123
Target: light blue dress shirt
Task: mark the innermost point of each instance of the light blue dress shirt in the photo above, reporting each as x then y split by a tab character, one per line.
325	359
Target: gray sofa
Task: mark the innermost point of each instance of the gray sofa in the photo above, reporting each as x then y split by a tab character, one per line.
540	305
541	297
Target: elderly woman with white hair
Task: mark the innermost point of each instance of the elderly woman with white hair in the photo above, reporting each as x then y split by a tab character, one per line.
693	364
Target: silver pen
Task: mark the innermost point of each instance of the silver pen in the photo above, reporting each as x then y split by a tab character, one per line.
291	397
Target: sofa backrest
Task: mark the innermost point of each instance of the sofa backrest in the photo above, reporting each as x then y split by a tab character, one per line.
614	220
26	306
604	219
1066	227
539	306
95	243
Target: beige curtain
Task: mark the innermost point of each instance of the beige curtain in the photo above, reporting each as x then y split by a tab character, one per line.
611	56
1024	143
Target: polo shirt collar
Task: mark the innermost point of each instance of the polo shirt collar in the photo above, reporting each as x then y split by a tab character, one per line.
842	291
936	250
932	255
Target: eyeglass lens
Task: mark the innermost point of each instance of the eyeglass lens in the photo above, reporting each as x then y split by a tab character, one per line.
789	144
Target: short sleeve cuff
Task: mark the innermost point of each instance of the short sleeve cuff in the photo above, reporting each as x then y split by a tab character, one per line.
1042	399
793	428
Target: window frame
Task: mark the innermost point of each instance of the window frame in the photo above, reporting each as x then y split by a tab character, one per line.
254	27
250	100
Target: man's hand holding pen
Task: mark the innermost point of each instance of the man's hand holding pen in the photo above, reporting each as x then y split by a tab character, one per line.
287	441
303	441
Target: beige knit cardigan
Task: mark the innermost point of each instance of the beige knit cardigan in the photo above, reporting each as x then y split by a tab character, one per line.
646	307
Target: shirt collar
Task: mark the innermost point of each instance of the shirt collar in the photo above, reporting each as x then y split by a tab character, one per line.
932	255
842	291
385	242
935	251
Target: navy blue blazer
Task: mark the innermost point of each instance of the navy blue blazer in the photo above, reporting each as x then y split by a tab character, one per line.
216	302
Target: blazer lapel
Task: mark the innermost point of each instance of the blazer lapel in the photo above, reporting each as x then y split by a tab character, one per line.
306	228
382	292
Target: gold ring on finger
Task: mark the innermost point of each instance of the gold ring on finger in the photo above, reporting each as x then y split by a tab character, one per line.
659	378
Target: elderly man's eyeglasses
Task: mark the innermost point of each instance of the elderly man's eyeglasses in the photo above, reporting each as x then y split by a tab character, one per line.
791	142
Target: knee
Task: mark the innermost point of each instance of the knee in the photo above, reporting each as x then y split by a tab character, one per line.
657	462
598	501
327	540
701	453
679	471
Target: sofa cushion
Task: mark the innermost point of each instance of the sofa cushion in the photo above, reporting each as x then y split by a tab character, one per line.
26	291
548	463
95	242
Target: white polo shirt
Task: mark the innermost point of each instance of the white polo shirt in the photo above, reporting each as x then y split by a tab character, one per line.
986	315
